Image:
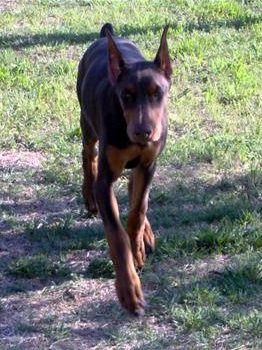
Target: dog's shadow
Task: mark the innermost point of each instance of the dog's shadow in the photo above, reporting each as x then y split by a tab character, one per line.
19	41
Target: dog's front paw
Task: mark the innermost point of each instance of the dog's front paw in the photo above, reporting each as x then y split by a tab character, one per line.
130	294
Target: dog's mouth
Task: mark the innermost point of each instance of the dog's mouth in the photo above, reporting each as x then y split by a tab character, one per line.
144	144
141	141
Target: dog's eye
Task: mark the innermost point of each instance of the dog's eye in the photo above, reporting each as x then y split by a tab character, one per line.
127	97
157	94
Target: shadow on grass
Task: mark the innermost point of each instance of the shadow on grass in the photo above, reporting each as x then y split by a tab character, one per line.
118	326
38	259
189	200
51	39
237	23
41	262
237	283
187	307
185	203
199	25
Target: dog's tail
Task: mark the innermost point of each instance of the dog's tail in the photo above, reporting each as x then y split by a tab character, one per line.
106	27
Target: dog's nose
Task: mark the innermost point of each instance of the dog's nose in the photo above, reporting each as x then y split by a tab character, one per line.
144	133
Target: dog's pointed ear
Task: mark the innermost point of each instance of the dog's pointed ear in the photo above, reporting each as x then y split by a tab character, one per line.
115	60
162	59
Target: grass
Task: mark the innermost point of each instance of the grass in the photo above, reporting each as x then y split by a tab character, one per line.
100	268
203	284
37	266
64	235
227	238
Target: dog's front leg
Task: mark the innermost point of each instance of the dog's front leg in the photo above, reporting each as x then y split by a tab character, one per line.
138	227
128	285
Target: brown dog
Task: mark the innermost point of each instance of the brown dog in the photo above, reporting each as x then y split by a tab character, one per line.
123	101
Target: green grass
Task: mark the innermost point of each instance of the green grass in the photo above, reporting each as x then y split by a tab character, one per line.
228	237
56	332
65	236
100	268
203	284
37	266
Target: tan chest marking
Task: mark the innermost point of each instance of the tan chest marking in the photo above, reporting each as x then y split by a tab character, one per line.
117	158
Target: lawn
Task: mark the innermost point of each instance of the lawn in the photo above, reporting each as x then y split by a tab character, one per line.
203	284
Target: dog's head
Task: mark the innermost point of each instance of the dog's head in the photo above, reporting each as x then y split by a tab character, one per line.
142	90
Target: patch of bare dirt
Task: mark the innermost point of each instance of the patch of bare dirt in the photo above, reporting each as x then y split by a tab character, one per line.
7	5
20	160
18	200
53	314
35	312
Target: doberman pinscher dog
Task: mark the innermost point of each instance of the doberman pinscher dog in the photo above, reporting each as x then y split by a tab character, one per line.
123	102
